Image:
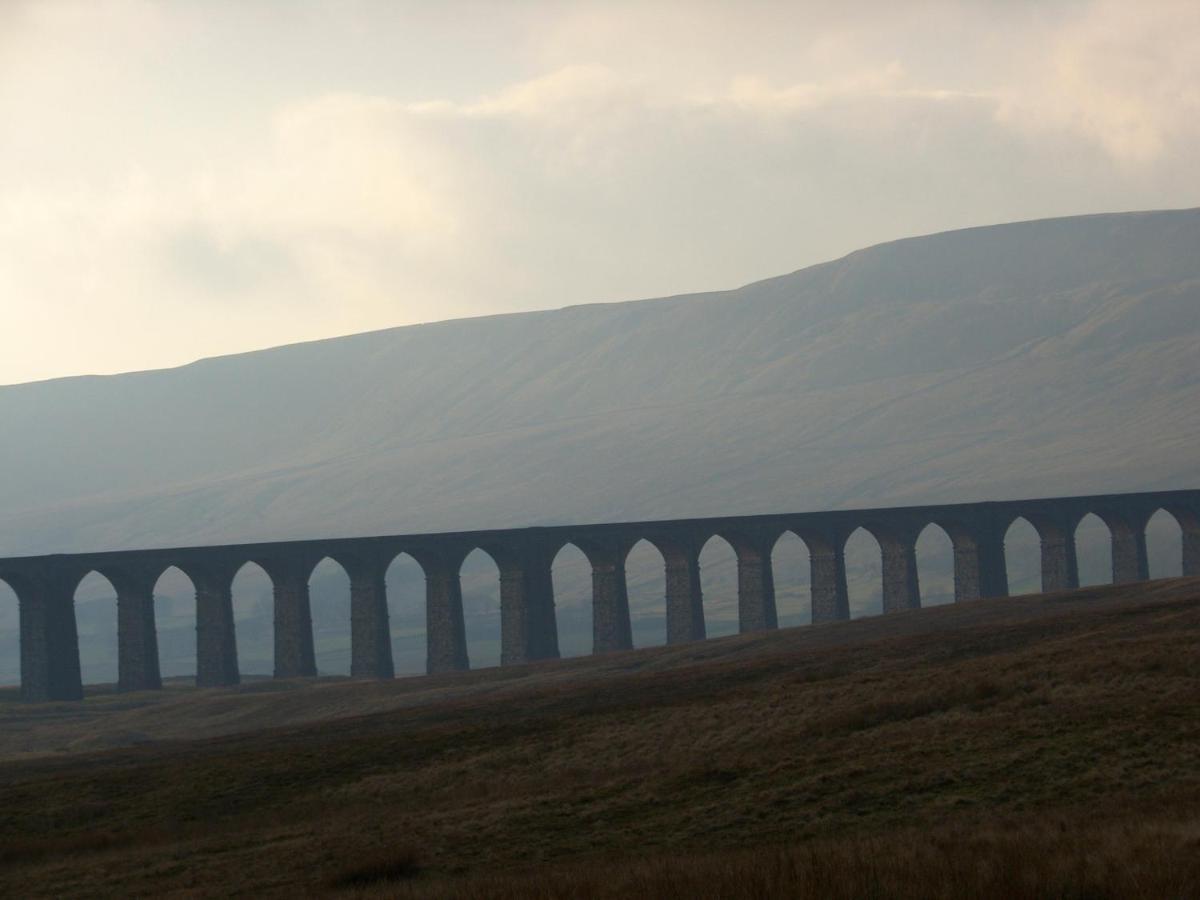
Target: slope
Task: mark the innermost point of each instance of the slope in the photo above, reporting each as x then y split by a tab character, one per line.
966	739
991	362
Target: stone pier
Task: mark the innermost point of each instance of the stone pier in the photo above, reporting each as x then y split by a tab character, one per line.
901	589
756	585
612	629
528	624
1129	559
216	641
370	634
685	602
445	627
49	639
827	567
980	570
1189	523
1060	570
137	636
295	656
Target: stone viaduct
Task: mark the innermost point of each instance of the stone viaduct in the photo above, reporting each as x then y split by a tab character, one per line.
45	585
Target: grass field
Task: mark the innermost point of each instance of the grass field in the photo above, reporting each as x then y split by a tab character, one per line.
1043	746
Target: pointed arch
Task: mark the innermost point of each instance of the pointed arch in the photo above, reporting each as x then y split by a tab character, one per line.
329	603
175	615
1093	550
646	583
571	576
791	563
864	573
479	573
405	583
1164	544
719	586
1023	557
95	600
935	564
253	594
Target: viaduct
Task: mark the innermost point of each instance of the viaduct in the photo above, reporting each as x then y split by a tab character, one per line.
45	585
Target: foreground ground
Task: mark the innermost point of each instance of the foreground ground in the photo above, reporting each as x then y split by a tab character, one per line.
1027	747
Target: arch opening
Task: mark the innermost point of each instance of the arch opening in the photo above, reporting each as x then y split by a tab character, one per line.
405	583
1023	557
935	565
790	564
864	574
175	620
719	586
96	625
10	636
1093	550
254	620
329	603
1164	545
646	585
480	579
571	573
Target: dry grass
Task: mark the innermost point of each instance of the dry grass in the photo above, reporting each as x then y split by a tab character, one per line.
1142	859
1038	747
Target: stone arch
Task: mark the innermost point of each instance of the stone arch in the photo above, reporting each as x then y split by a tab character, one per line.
95	599
1023	556
1056	541
571	577
1164	542
791	565
646	585
404	579
479	573
10	632
329	603
1189	524
1093	539
934	551
252	591
864	572
718	559
683	600
174	593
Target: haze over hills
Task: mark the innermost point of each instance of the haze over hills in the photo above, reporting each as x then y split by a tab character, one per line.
1047	357
991	362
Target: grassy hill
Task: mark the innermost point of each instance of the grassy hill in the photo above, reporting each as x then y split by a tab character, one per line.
1037	358
1026	747
987	363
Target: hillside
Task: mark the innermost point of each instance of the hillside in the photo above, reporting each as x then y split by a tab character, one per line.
1018	359
1045	357
989	749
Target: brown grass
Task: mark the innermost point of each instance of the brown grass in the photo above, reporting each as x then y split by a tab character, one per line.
1143	859
1035	747
386	867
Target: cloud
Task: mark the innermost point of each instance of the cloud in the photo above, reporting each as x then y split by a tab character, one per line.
1125	76
172	209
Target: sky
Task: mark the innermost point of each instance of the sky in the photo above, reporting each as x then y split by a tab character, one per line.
181	180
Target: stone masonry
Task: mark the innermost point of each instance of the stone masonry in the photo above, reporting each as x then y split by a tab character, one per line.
45	585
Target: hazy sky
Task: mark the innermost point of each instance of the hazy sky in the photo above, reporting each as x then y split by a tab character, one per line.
186	179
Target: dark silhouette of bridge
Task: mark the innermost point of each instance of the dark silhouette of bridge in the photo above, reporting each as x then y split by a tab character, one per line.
45	585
